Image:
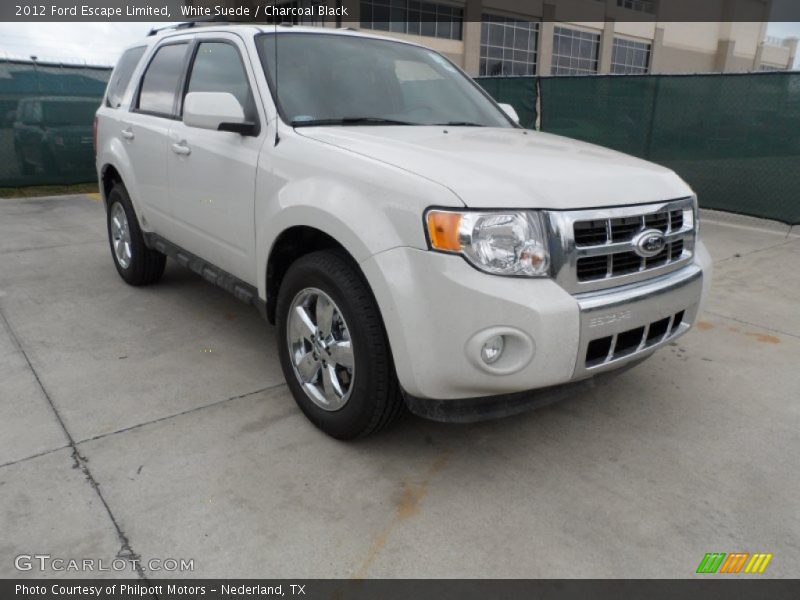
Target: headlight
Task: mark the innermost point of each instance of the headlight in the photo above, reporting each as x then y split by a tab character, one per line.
502	243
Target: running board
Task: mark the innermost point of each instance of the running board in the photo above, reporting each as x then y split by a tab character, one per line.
211	273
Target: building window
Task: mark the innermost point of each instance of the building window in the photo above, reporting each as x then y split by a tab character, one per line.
508	46
417	18
575	52
768	67
629	57
648	6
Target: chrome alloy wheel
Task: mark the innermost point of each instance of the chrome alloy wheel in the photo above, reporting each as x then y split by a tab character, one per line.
120	235
320	349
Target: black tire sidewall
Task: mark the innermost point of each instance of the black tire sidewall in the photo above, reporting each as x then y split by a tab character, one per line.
139	272
370	351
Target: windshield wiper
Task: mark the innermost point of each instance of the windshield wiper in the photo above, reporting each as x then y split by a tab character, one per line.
459	124
349	121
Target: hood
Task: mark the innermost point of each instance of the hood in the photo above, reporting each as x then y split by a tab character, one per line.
510	168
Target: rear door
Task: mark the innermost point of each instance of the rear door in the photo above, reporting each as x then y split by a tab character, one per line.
212	173
144	131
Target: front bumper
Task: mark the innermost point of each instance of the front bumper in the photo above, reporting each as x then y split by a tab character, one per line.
622	324
438	310
472	410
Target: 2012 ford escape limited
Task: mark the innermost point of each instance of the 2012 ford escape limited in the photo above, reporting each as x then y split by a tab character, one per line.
413	244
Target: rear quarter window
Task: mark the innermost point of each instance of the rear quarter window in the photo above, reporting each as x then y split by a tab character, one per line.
121	77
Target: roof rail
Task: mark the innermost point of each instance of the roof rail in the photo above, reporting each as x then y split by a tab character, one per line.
189	24
156	30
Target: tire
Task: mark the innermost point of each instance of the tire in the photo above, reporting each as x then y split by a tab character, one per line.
138	265
373	395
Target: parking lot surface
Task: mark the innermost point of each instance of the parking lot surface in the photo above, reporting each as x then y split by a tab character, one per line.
154	422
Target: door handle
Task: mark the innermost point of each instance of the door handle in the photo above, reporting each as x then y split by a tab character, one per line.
128	133
182	149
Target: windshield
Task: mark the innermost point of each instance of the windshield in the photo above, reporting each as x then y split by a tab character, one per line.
329	79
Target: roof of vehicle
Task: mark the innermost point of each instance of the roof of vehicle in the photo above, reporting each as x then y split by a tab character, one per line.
203	27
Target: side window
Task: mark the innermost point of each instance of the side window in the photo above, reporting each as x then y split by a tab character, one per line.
162	79
122	76
218	68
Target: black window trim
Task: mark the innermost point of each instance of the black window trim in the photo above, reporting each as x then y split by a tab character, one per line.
137	96
187	75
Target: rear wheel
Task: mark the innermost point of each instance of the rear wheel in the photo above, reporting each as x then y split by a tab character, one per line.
333	347
136	263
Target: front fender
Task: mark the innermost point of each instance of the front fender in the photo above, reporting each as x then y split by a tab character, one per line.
364	204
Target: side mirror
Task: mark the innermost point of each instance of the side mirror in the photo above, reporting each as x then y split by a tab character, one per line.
218	111
510	112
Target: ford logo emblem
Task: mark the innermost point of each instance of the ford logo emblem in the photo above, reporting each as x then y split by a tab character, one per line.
649	243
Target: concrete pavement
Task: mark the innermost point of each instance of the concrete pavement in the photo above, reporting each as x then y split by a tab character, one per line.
154	423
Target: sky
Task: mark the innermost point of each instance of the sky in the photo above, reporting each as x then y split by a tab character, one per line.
93	43
101	43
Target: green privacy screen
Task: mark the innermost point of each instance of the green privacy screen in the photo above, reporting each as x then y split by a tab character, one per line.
46	114
519	92
735	138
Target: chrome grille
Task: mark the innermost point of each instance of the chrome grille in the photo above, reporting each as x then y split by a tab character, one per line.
594	249
590	233
624	228
659	220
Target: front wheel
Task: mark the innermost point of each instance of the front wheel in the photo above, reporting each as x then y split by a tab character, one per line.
333	347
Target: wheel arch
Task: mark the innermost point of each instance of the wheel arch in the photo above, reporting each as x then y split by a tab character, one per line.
109	175
291	244
115	167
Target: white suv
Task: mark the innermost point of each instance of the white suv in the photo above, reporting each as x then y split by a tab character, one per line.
414	245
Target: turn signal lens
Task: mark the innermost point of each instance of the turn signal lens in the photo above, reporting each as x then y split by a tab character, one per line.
443	230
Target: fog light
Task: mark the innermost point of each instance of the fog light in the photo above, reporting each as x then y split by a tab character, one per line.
492	349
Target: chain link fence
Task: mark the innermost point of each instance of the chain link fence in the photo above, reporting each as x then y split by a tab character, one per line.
46	114
735	138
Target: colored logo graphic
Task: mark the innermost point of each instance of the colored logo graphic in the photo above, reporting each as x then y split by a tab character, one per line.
735	562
